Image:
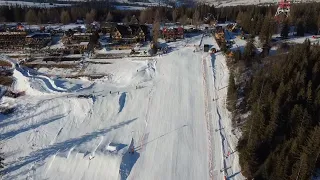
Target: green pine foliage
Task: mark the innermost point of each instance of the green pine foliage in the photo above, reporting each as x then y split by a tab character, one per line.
249	51
285	30
281	137
232	93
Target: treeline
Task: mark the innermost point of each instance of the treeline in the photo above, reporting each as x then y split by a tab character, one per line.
281	137
99	12
253	19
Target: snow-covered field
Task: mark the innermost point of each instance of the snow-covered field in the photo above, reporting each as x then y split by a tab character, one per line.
170	109
130	7
31	4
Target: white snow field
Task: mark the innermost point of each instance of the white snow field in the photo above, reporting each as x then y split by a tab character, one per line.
171	110
31	4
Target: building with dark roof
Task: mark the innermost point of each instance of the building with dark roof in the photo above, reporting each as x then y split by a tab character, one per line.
12	40
38	40
129	34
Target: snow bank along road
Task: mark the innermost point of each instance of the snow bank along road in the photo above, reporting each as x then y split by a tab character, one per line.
162	109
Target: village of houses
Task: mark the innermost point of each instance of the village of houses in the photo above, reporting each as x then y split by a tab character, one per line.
79	49
58	42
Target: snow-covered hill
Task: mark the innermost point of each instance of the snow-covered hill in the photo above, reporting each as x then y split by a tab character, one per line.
170	109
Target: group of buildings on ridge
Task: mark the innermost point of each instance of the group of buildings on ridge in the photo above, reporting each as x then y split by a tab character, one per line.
16	37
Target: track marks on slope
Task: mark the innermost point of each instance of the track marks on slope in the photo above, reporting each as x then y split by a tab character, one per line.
208	116
64	146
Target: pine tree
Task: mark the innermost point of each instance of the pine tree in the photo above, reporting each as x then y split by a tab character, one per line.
249	52
1	161
196	18
232	93
17	15
285	30
300	28
237	55
318	24
266	31
258	25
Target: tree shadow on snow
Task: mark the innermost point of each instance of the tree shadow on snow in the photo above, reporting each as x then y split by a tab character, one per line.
128	161
13	133
5	123
60	147
122	101
233	175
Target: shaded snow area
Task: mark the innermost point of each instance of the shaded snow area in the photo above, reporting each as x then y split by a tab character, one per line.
160	118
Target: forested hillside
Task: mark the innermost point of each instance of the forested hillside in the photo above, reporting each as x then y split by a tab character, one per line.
281	137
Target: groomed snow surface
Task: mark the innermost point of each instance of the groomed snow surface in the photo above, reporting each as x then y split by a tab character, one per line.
170	109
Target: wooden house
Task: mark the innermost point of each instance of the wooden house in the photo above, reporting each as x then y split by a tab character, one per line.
76	38
106	28
38	40
129	34
138	32
171	34
122	33
12	40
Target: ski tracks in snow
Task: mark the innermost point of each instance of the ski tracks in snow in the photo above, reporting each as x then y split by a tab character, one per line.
208	116
145	135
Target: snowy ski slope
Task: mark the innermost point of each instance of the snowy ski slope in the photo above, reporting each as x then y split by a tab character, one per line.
163	108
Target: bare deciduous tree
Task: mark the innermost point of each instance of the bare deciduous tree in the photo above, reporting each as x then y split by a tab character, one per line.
174	15
196	18
155	31
31	17
143	16
65	17
90	17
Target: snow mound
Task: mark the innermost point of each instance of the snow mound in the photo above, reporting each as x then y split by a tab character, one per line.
22	83
125	72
